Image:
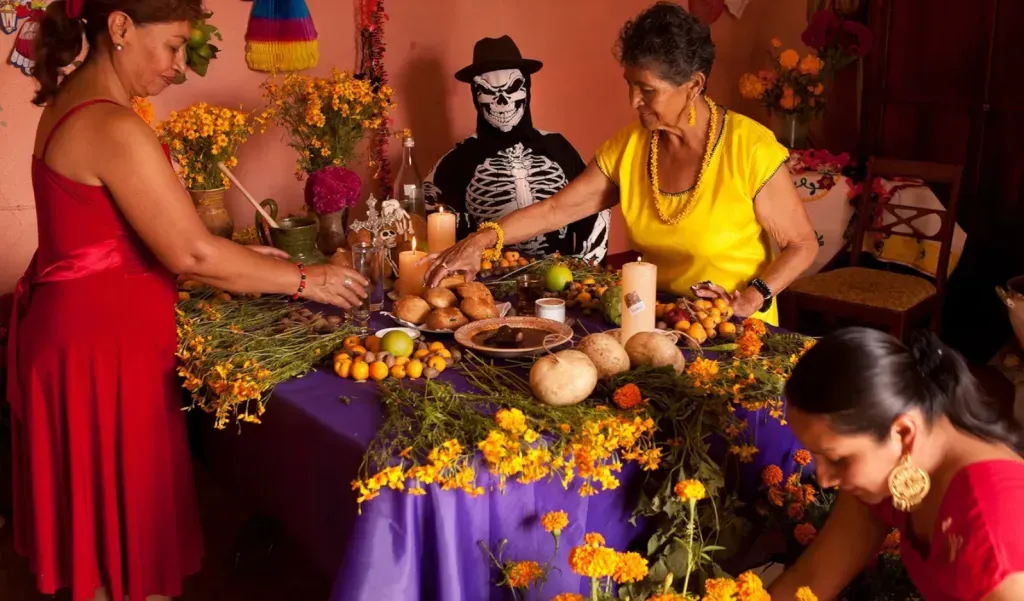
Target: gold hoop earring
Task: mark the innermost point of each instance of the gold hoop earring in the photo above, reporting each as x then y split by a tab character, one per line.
692	117
908	485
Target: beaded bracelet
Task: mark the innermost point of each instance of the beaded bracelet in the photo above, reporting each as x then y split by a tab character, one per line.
493	254
302	282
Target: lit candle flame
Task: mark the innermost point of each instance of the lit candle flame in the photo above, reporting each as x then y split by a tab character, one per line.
414	244
640	259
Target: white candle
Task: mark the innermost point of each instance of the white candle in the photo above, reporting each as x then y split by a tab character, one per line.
440	231
639	293
410	275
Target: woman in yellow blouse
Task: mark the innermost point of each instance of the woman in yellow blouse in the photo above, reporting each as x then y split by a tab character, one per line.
704	191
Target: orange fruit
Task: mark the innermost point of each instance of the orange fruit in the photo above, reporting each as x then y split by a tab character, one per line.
698	333
358	349
504	263
523	262
717	314
398	372
589	282
351	341
727	313
183	296
373	344
401	360
436	346
421	353
360	371
443	353
682	325
720	304
437	363
702	315
727	328
343	369
702	304
378	370
584	297
486	265
414	369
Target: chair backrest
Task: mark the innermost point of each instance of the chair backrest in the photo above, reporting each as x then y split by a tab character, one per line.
885	217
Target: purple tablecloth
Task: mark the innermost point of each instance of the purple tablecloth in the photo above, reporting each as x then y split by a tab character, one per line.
298	465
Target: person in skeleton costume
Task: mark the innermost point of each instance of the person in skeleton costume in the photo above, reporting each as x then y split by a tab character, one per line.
508	164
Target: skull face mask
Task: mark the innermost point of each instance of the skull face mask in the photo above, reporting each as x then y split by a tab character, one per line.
501	97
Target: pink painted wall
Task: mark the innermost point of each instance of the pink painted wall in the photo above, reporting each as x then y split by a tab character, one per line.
579	93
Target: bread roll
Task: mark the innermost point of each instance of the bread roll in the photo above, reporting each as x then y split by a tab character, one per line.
440	298
477	308
475	290
412	309
446	319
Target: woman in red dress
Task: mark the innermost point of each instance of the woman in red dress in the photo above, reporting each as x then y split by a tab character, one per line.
104	499
911	443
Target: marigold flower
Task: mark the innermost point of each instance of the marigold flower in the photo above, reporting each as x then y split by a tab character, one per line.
627	396
789	58
630	567
720	589
593	561
555	521
702	369
804	533
891	546
524	573
690	490
594	539
804	593
775	497
752	87
568	597
811	65
749	345
795	511
511	420
802	457
750	587
669	597
771	475
776	43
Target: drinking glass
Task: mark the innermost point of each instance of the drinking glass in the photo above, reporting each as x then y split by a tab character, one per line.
367	260
530	288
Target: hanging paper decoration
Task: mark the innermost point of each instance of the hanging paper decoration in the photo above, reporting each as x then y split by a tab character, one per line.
24	52
736	7
708	11
371	64
281	37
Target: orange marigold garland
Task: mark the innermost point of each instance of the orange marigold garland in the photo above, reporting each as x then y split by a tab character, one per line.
372	19
628	396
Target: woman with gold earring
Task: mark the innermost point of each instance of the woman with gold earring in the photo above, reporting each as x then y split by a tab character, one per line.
703	191
909	440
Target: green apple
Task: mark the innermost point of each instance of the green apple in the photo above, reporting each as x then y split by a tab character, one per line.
557	278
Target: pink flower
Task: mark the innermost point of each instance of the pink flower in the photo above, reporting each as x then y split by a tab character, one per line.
821	30
861	42
332	189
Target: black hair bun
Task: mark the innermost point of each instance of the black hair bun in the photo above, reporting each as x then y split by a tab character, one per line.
927	350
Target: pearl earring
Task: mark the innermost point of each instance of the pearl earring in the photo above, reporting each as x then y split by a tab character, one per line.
118	47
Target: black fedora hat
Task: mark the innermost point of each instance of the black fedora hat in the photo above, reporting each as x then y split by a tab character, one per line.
492	54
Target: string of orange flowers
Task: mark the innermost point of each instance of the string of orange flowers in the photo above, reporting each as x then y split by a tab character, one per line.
371	27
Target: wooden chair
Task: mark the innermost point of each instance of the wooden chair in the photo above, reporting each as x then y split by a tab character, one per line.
875	297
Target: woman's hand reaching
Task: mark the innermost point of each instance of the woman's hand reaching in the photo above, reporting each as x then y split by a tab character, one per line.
333	285
464	257
744	304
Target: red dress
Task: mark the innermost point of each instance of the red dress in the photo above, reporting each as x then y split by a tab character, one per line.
978	538
103	491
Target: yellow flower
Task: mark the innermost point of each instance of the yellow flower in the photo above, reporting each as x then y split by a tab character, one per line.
690	490
750	587
593	539
804	593
593	561
789	59
752	87
720	589
811	65
568	597
555	521
511	420
630	567
524	573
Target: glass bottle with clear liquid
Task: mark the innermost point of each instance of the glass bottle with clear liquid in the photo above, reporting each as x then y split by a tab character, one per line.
409	193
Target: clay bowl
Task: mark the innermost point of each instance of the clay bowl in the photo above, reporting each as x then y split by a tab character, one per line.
557	335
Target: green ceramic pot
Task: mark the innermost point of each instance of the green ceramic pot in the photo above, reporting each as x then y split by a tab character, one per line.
296	236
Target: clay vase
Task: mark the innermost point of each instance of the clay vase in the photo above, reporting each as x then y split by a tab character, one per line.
296	236
210	207
331	235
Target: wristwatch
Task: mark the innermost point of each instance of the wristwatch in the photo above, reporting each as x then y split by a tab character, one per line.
759	285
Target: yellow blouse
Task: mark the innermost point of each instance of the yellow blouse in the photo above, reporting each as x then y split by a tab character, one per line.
721	240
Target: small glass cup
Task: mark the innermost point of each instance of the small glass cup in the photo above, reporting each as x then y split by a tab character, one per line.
367	259
530	288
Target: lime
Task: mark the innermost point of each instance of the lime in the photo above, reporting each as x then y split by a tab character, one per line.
205	51
557	277
398	343
198	38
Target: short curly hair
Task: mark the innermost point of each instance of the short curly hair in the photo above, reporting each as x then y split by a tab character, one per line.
669	40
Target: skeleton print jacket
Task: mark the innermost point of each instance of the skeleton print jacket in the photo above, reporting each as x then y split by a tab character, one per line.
483	185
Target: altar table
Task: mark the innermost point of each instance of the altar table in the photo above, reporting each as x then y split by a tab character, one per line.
298	464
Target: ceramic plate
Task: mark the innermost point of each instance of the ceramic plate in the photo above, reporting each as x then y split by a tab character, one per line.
503	309
559	334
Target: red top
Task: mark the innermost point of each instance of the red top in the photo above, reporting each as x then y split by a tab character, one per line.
978	538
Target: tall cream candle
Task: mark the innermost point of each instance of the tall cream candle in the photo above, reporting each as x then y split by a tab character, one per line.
639	293
440	231
410	275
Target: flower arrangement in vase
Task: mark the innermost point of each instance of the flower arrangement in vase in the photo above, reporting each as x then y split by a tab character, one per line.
198	138
326	119
793	89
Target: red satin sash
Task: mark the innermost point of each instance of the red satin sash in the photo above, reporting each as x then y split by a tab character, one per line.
82	262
